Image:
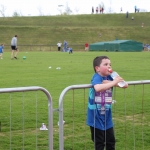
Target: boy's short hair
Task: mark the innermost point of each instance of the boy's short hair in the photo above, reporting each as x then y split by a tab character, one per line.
97	61
16	36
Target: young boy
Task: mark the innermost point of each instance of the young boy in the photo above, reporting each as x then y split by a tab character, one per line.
99	115
1	51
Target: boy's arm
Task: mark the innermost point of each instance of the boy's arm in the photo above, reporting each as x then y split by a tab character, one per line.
107	81
108	84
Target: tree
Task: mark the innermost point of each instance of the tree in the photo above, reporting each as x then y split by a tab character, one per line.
60	8
2	10
16	14
77	9
68	11
40	11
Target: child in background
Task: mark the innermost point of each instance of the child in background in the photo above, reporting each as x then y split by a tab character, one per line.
99	115
70	50
59	45
1	51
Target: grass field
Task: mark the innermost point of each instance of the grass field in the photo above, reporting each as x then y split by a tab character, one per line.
76	68
76	29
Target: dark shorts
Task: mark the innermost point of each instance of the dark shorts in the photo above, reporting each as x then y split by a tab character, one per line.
13	47
103	139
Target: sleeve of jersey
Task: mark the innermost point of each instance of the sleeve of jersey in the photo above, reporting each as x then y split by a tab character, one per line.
97	79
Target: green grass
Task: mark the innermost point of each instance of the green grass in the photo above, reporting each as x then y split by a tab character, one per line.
76	68
76	29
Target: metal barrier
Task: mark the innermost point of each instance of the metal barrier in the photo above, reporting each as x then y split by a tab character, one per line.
50	109
61	111
85	86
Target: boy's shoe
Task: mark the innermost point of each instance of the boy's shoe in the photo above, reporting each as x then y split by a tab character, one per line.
15	57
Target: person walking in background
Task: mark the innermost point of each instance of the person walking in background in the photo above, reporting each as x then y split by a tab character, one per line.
86	46
65	45
97	10
135	8
59	45
92	10
99	113
127	14
121	9
102	10
1	51
14	47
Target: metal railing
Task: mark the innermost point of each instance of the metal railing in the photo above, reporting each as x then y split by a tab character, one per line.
61	109
50	108
83	86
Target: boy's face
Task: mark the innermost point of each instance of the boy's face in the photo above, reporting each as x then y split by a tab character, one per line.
103	68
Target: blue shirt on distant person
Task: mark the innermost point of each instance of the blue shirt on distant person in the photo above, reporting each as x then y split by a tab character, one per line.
1	48
65	45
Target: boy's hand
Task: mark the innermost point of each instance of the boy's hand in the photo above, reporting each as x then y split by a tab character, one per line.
118	79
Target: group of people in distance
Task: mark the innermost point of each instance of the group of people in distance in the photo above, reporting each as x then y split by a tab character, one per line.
98	9
14	49
66	48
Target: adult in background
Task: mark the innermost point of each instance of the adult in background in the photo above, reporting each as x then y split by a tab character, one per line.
121	9
97	10
59	45
86	46
127	14
135	9
92	10
65	45
102	10
14	47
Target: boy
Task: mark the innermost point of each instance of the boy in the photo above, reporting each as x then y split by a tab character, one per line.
99	115
1	51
